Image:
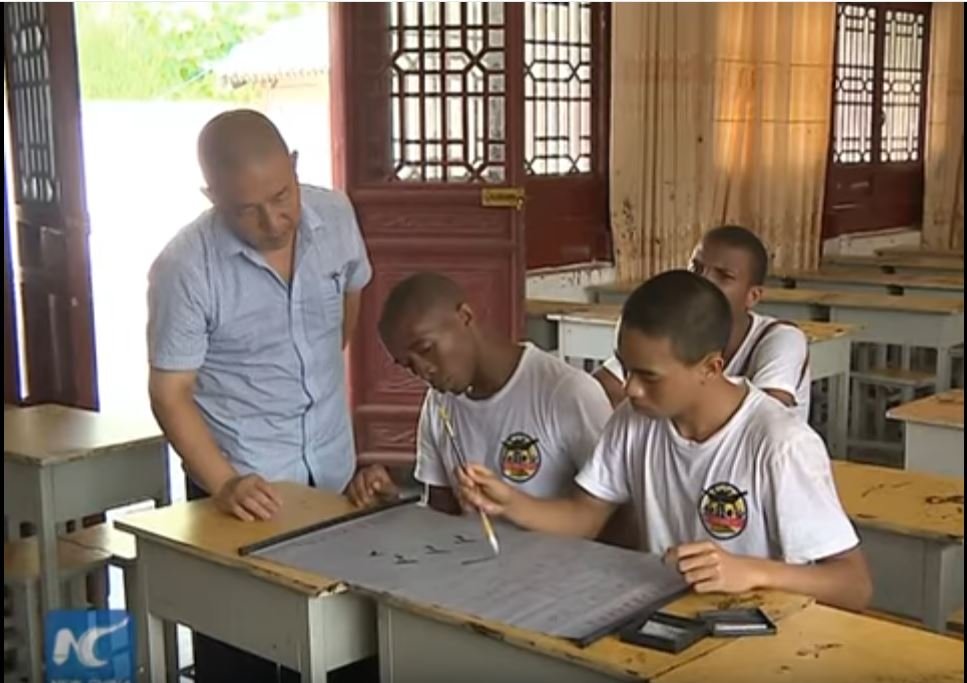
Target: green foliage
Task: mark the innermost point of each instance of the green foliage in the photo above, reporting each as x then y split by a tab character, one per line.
155	50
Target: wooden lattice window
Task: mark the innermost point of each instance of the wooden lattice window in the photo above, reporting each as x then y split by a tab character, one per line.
448	91
30	98
875	177
557	88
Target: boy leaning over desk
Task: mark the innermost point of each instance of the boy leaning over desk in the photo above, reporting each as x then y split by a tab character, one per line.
725	483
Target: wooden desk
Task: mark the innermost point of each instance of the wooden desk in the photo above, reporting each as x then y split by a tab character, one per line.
921	251
907	321
542	331
425	643
193	575
912	527
61	464
787	304
829	645
900	262
933	433
872	282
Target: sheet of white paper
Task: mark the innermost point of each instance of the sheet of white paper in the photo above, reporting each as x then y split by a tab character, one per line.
560	586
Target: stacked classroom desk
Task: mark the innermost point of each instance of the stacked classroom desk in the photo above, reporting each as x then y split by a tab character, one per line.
912	528
873	282
918	250
933	433
899	262
62	464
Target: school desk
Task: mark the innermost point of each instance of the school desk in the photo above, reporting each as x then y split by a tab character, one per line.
912	528
899	263
920	251
62	464
788	304
907	321
933	433
422	642
193	575
833	646
587	331
872	282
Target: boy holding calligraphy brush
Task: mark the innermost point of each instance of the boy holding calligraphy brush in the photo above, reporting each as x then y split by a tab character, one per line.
516	409
727	484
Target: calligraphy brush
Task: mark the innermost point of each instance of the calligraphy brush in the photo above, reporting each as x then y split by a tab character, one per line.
462	458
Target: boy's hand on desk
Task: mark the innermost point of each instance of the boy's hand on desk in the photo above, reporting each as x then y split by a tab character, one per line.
709	569
482	489
248	497
370	485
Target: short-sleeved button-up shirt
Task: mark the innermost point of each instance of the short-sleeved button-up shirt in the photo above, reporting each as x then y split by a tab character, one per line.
268	354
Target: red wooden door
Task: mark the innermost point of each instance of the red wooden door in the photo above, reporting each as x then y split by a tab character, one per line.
40	63
427	135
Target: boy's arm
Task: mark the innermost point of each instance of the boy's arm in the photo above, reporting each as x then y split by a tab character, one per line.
842	580
581	514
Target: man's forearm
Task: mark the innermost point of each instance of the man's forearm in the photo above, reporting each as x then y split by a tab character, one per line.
186	430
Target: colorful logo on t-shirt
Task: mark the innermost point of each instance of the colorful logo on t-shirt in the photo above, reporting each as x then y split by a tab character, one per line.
723	510
520	458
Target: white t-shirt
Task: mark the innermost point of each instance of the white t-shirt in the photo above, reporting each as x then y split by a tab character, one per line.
536	432
773	355
762	485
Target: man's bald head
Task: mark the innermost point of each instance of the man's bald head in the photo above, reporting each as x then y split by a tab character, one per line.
251	178
236	138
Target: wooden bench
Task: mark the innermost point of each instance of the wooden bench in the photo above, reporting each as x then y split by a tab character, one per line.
21	574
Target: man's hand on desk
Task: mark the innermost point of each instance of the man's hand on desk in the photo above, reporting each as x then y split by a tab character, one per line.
370	485
248	497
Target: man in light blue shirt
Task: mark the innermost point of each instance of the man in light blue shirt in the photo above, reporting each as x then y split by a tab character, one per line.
250	307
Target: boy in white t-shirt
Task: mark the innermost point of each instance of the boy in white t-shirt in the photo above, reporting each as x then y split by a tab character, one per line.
514	408
726	483
772	354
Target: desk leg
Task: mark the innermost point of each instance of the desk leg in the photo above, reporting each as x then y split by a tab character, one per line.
312	663
148	642
838	406
156	669
943	569
47	544
943	369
